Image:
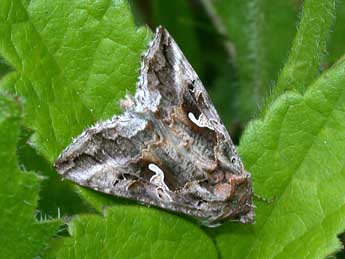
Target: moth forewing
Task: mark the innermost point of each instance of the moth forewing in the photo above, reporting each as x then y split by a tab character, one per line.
169	148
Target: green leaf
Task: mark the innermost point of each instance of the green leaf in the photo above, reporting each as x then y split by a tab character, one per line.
99	200
22	236
308	48
77	60
74	59
262	32
336	46
129	232
296	154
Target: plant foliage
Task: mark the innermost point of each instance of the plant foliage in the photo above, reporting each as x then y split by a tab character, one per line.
71	61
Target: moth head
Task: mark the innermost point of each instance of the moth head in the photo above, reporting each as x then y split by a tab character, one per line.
236	194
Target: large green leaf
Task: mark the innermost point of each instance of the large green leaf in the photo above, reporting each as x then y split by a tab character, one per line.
296	154
75	60
22	236
128	232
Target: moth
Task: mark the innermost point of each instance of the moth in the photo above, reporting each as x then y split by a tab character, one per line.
168	148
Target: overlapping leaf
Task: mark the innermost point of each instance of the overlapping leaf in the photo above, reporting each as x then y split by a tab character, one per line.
22	236
57	198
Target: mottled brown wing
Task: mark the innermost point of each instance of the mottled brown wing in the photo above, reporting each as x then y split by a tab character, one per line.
169	148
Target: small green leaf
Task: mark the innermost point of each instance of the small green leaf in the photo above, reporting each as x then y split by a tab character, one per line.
262	32
22	236
296	154
308	48
131	232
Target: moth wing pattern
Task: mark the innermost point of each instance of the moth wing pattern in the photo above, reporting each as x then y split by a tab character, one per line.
168	148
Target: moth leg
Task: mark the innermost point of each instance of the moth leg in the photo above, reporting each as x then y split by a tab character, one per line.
265	200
